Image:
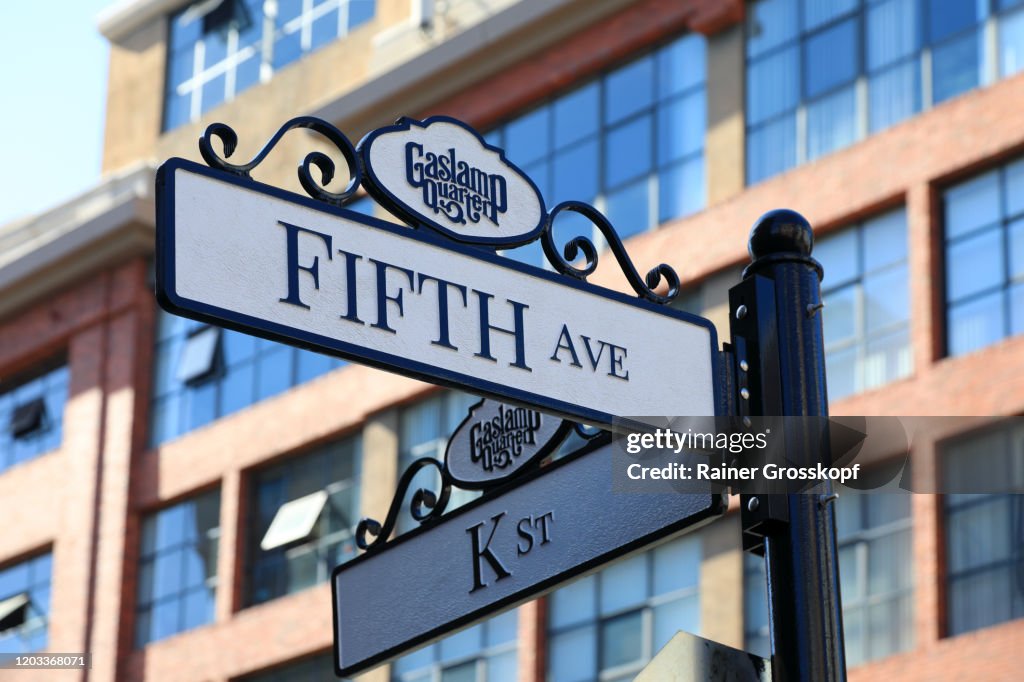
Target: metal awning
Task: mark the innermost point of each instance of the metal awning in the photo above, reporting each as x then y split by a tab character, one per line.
294	521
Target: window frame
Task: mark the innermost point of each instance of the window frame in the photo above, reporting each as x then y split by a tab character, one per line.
989	69
644	608
1012	434
660	102
262	49
860	540
177	408
37	616
210	537
862	336
45	381
1002	225
479	657
317	543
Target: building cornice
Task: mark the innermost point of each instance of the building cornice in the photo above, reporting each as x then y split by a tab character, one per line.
107	224
122	18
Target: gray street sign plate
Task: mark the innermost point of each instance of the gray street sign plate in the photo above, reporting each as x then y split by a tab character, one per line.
494	553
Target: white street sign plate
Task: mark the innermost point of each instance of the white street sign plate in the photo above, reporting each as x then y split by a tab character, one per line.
269	262
496	552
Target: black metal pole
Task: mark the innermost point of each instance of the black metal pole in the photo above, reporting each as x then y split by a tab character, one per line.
798	530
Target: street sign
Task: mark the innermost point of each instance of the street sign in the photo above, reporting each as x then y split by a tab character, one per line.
496	440
269	262
496	552
442	173
434	301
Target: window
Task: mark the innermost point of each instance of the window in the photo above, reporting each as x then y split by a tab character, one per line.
305	511
483	653
218	48
984	220
876	579
202	373
822	74
423	431
631	143
984	532
316	669
867	313
177	568
25	605
32	414
609	625
876	573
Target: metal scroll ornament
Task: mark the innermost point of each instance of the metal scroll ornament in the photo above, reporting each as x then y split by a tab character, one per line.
426	505
439	174
495	444
229	139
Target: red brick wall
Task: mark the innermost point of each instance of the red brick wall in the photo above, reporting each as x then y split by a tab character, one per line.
51	501
598	47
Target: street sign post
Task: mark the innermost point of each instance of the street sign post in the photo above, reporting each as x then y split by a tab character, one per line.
433	300
778	350
496	552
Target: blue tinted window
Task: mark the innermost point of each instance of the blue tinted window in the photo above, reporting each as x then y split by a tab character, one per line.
808	60
771	23
1011	44
528	138
894	95
831	122
628	151
867	316
215	50
892	32
984	554
177	576
596	625
629	89
957	67
577	115
984	259
242	370
25	587
948	17
630	143
32	413
819	12
831	58
483	652
305	561
575	172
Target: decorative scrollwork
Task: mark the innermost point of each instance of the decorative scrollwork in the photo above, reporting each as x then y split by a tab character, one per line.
229	139
643	287
426	505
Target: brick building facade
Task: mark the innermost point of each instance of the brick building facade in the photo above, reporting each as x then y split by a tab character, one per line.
117	462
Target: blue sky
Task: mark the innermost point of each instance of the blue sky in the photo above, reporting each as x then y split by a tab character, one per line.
53	73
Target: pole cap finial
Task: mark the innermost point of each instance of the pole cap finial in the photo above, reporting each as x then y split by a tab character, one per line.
778	232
